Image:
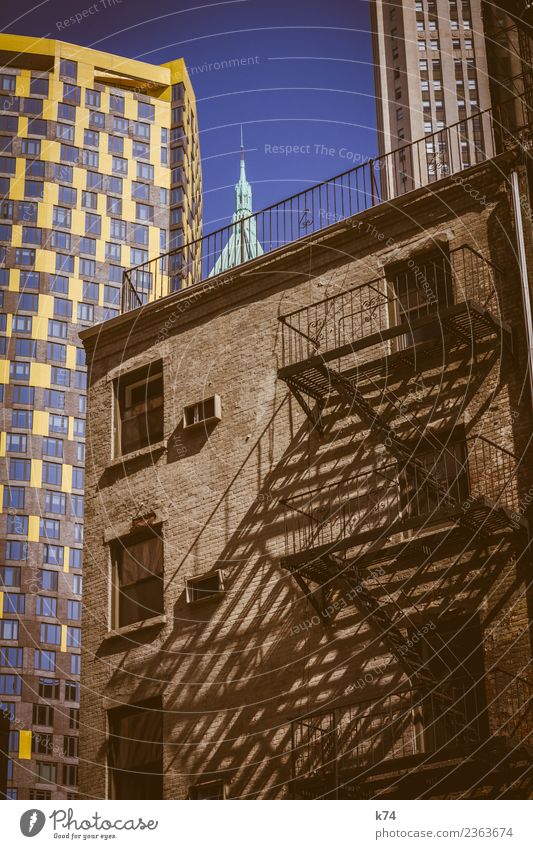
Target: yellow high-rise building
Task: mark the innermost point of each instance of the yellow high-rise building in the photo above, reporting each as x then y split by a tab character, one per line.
99	171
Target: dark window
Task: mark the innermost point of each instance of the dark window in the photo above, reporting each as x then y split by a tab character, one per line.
422	287
136	751
138	579
48	688
43	715
447	467
208	790
205	587
140	408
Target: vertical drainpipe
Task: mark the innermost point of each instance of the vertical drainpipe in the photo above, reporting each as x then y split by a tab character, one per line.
526	299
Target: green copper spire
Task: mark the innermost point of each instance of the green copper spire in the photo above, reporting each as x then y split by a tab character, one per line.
242	244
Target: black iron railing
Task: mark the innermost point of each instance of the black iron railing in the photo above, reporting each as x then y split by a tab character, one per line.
437	155
398	726
373	309
387	500
459	717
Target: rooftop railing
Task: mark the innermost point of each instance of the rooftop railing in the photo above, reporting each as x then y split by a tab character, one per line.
437	155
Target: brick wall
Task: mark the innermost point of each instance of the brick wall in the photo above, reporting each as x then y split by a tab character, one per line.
234	672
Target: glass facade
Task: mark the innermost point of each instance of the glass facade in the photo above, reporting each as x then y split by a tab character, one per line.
89	185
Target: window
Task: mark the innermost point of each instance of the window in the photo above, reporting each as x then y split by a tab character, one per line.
14	602
65	263
77	505
74	609
140	191
42	744
87	267
22	323
89	200
422	286
14	495
9	576
43	715
58	424
72	691
19	470
19	371
48	688
138	579
9	629
114	206
93	223
54	398
140	409
70	745
54	555
67	195
16	442
44	660
56	352
76	558
115	144
50	634
70	774
23	394
136	751
10	685
116	103
46	772
77	584
206	587
145	171
90	158
48	580
46	606
60	376
17	524
146	111
114	185
52	474
11	656
73	637
112	251
74	718
56	502
119	165
49	528
90	291
57	329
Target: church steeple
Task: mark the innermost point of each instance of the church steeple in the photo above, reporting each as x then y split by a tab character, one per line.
243	244
243	190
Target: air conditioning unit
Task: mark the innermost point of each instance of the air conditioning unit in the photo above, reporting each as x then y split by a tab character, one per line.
204	587
202	413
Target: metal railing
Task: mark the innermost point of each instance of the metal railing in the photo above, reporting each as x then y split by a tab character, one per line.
389	500
435	156
375	308
510	698
397	726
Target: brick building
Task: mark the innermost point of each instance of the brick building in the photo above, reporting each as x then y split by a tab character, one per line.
307	517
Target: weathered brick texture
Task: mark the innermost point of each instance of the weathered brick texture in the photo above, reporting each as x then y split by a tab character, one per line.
234	673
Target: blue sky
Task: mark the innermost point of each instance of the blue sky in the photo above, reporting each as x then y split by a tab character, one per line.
300	80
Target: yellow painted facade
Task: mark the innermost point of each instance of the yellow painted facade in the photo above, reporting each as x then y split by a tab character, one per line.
89	187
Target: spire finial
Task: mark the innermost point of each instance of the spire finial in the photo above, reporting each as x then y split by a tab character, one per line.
242	142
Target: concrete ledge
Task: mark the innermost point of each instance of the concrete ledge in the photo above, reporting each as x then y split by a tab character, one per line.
155	448
126	630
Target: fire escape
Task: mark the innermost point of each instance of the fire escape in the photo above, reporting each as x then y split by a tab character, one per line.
354	354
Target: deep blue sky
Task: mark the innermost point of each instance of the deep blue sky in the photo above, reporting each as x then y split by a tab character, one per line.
309	81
